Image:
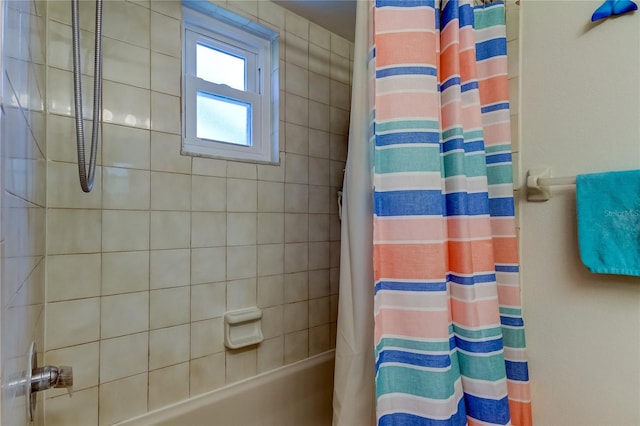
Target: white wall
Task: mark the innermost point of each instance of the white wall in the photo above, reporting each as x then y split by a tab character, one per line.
580	105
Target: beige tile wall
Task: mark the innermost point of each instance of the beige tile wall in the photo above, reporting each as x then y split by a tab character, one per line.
22	199
141	271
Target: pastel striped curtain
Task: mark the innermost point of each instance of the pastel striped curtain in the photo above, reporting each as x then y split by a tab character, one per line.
449	334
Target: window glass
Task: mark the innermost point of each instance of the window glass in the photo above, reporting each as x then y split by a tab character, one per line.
222	119
220	67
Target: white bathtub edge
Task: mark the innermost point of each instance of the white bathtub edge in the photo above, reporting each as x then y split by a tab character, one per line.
199	401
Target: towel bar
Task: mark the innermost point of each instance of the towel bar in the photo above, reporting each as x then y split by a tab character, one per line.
539	182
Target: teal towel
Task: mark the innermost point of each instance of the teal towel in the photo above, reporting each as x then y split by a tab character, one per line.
608	207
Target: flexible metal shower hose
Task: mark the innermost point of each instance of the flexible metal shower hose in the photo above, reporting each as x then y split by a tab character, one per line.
86	178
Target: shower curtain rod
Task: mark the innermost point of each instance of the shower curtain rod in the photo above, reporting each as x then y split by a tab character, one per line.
539	182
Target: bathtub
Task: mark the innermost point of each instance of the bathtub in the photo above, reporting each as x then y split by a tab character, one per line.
298	394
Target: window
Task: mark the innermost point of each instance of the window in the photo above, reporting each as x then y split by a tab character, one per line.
230	85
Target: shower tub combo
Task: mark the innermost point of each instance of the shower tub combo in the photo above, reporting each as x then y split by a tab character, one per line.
296	394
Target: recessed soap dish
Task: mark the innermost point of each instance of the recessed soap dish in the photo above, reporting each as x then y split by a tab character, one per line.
243	328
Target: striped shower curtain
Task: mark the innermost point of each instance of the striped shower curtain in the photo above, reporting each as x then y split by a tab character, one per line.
449	335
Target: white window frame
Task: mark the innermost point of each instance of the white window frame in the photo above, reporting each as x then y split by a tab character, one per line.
210	25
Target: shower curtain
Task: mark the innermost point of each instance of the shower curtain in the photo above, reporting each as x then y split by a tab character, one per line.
448	330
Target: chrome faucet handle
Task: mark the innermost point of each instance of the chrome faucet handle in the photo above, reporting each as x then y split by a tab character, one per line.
47	377
65	379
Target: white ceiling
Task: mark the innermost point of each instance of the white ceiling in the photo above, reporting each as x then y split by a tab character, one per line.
338	16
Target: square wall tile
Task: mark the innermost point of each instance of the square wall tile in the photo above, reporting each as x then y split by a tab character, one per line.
209	167
319	227
273	321
124	314
319	311
85	362
207	337
242	195
207	373
271	354
319	143
169	268
165	154
319	171
123	399
319	88
297	169
165	35
296	346
340	68
114	365
125	63
82	409
319	339
125	147
129	23
72	322
296	227
168	346
126	105
236	169
168	385
241	229
296	287
297	50
73	276
125	272
208	193
170	8
321	199
319	285
319	255
125	189
319	60
296	257
241	262
169	307
73	231
297	138
270	228
319	35
319	116
297	25
208	229
272	13
270	259
208	301
62	130
125	230
165	113
296	110
296	316
170	191
241	364
270	196
170	230
340	95
270	291
241	294
340	45
208	265
297	80
274	173
165	72
63	190
296	198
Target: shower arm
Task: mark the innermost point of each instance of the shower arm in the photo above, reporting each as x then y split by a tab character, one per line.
86	178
